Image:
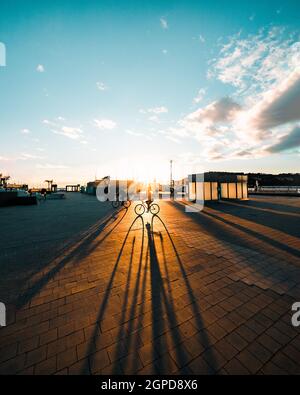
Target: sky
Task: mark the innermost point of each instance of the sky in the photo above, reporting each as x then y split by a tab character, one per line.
96	88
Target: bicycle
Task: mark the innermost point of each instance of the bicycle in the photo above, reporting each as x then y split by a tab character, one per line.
117	203
151	207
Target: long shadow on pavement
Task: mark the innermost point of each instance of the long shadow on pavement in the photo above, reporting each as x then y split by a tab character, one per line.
202	336
283	221
81	250
225	230
102	309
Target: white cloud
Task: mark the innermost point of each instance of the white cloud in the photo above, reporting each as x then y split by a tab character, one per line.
105	124
50	123
261	116
155	110
164	51
164	23
257	62
71	132
23	156
26	156
218	111
40	68
280	105
201	38
174	139
288	142
154	118
101	86
200	95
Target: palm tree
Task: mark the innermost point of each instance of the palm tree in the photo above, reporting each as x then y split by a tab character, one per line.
4	180
50	182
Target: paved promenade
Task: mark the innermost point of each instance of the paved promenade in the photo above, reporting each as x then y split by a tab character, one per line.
91	290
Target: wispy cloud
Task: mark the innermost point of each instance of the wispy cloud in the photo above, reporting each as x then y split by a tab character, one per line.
261	117
200	95
71	132
105	124
26	156
101	86
59	127
201	38
257	62
288	142
154	118
174	139
4	158
164	23
40	68
218	111
23	157
155	110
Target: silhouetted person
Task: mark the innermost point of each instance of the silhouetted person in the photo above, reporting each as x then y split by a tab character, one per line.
149	200
219	191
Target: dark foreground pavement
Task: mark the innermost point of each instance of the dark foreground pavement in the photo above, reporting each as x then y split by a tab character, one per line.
91	290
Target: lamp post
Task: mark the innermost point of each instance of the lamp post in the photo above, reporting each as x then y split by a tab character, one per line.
171	179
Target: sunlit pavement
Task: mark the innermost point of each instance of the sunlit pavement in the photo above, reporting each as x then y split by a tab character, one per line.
201	293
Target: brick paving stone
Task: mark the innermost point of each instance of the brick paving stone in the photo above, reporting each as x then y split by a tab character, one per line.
271	369
13	365
147	354
226	349
200	366
48	337
80	367
35	356
46	367
66	358
259	351
8	352
56	347
246	333
247	359
236	341
209	292
235	367
214	358
286	363
217	331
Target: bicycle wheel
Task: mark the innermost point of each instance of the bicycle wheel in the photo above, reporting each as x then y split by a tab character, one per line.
154	209
139	209
127	203
115	204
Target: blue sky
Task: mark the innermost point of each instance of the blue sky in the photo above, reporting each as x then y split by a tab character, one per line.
92	88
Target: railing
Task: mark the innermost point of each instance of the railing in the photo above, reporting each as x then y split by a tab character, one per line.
276	189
